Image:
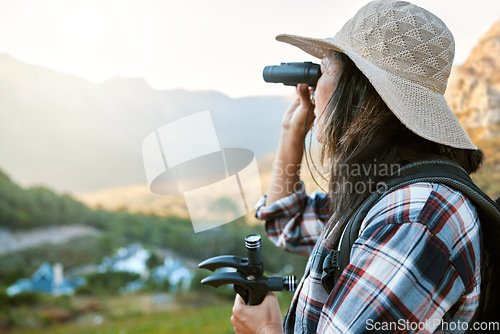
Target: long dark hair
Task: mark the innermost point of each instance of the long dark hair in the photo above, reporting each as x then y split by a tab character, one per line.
364	142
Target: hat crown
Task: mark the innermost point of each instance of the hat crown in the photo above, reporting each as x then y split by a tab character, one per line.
403	39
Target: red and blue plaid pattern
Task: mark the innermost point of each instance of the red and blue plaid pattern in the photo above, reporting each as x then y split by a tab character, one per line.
415	264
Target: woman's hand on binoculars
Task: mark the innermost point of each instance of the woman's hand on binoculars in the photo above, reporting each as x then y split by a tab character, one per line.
300	112
264	318
286	167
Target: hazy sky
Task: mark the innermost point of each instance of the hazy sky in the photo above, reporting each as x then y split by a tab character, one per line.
218	45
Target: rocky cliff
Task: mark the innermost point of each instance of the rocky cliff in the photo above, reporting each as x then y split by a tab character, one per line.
474	95
474	88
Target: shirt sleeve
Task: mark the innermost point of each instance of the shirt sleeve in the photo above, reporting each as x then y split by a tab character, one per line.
295	222
402	270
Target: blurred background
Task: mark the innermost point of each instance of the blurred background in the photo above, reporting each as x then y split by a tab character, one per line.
85	247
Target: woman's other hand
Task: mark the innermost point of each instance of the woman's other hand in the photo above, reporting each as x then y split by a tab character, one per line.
298	118
295	118
264	318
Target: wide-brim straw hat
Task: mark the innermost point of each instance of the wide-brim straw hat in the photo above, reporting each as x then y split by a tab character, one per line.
407	53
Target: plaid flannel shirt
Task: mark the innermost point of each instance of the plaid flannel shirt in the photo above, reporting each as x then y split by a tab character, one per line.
415	266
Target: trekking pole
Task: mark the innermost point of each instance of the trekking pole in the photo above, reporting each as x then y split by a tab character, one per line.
248	280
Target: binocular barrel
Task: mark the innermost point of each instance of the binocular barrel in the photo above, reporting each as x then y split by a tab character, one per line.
291	74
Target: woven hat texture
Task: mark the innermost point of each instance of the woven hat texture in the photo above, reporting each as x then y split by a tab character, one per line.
407	53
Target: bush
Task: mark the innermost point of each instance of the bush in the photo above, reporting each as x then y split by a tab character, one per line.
24	298
55	315
107	283
4	300
153	286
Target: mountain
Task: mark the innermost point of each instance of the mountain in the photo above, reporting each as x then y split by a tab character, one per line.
75	136
474	87
474	95
138	197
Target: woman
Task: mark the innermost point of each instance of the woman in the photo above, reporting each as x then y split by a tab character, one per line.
379	103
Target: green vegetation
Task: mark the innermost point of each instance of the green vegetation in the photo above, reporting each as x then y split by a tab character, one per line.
79	251
134	313
203	310
107	283
37	207
191	319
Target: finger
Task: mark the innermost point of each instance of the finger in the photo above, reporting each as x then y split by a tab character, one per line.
270	297
304	93
238	300
311	91
295	104
306	111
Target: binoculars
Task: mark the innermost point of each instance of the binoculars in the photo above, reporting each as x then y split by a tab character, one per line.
291	74
249	281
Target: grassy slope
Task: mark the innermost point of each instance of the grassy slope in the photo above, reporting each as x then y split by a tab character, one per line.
124	314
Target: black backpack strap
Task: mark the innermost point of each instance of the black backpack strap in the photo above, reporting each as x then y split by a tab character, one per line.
436	171
338	259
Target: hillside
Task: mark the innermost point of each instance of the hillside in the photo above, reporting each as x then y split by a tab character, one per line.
138	197
474	95
75	136
52	227
474	88
38	225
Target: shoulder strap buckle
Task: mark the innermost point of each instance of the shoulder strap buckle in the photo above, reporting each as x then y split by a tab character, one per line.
331	268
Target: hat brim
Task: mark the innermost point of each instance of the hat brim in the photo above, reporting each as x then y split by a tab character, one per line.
422	110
